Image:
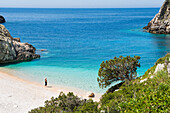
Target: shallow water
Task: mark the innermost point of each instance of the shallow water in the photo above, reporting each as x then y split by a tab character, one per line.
78	40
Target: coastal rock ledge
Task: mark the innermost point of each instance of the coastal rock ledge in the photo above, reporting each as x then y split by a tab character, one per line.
160	24
2	19
13	51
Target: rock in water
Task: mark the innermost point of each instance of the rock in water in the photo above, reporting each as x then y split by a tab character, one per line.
43	50
160	24
2	19
12	51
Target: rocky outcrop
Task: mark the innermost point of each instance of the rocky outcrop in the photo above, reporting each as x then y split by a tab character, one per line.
13	51
2	19
17	39
160	24
159	67
168	69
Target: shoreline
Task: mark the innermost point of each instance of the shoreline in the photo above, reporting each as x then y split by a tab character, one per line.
23	95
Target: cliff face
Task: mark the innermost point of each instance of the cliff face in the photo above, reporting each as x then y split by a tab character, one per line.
2	19
13	51
160	24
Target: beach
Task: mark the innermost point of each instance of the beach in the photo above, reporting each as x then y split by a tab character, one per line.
20	96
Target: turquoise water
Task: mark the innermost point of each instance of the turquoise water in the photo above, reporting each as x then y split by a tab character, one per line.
78	40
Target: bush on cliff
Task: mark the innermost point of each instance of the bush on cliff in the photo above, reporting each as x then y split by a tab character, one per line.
118	69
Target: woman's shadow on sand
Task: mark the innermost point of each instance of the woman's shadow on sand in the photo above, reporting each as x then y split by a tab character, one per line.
49	86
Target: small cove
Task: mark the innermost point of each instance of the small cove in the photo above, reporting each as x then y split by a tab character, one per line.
78	40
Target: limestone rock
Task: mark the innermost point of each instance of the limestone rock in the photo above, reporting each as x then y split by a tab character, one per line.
17	39
13	51
168	68
92	95
161	22
159	67
2	19
143	80
4	32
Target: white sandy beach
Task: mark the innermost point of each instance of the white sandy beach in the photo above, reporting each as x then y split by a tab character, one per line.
20	96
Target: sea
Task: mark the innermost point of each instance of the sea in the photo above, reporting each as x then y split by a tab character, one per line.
78	40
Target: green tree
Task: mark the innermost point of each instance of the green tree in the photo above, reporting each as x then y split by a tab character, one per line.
116	69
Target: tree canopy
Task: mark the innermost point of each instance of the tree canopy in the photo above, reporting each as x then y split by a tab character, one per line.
119	68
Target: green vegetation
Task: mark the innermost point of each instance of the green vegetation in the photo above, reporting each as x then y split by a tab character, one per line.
122	68
67	103
135	96
152	95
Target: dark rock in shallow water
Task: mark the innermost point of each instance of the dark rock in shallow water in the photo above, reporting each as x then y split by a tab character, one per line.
160	24
43	50
2	19
13	51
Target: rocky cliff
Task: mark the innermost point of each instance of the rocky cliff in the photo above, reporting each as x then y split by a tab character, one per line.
12	50
2	19
160	24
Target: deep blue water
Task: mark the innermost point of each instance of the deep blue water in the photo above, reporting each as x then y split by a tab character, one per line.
78	40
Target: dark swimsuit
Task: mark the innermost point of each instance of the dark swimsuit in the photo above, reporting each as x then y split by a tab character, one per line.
45	83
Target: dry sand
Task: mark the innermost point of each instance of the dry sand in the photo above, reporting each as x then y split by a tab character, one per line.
20	96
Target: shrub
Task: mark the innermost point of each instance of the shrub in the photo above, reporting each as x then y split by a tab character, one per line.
67	103
117	69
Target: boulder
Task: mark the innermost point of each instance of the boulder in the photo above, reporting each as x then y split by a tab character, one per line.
12	50
2	19
168	29
168	69
17	39
159	67
92	95
160	23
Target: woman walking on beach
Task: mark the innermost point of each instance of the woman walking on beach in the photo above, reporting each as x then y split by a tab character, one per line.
45	81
